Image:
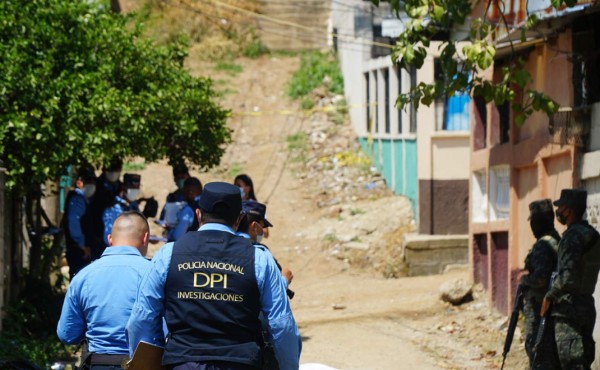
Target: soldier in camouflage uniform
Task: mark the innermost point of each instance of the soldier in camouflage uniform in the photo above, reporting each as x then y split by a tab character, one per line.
540	263
570	298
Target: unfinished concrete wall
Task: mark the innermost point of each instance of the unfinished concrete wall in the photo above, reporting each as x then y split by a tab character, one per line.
276	29
431	254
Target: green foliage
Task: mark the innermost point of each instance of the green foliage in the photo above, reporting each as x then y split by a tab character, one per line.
297	146
255	48
79	85
29	330
234	69
234	170
307	103
133	166
340	114
315	69
428	18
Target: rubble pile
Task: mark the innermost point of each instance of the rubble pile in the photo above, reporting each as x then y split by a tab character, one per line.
359	212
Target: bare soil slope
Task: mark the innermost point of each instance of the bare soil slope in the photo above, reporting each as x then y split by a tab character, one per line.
340	237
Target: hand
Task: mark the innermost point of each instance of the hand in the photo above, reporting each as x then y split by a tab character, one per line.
287	274
87	253
545	307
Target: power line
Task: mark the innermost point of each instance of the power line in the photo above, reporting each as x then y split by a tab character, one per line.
295	25
312	36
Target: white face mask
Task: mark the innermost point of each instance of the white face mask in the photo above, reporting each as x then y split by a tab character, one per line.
242	193
180	183
259	237
89	190
113	176
132	194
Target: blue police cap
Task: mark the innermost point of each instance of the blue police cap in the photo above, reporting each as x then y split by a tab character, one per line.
221	193
252	207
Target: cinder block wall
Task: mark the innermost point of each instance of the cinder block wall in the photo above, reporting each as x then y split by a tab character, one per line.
312	15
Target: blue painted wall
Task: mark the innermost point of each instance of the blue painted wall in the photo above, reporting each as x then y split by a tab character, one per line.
396	159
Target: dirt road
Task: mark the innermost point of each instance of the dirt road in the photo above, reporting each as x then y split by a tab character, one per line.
349	318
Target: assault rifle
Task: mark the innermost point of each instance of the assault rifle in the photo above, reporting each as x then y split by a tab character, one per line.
539	336
514	317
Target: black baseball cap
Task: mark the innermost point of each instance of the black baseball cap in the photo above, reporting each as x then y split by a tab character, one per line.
132	179
86	173
572	198
252	207
221	193
543	207
180	168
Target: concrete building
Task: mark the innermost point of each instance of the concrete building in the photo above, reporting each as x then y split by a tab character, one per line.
423	154
293	25
512	166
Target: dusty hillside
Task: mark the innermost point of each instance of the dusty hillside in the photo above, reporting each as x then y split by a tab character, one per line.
338	228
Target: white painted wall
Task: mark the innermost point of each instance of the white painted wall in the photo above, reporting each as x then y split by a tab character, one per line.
353	51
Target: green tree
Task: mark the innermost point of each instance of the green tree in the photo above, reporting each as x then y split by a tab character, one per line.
78	84
428	18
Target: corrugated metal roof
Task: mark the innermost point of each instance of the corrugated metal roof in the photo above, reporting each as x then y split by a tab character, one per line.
516	11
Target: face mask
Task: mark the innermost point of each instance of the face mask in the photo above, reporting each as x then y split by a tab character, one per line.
259	237
89	190
113	176
180	183
561	218
242	193
132	194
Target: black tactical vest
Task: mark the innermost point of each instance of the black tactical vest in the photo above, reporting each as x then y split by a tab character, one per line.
212	300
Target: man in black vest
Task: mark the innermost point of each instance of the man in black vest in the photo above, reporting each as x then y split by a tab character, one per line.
210	286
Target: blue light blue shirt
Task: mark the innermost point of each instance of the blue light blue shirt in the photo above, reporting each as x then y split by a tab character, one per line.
100	298
145	323
185	219
77	207
111	213
247	236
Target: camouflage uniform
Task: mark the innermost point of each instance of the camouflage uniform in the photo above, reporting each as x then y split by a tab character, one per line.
572	307
540	263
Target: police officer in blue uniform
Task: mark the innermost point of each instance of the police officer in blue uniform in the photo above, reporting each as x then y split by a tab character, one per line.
253	226
186	217
79	253
99	300
176	199
210	286
125	201
108	186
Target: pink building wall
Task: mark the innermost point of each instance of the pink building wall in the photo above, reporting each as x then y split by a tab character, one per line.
537	168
